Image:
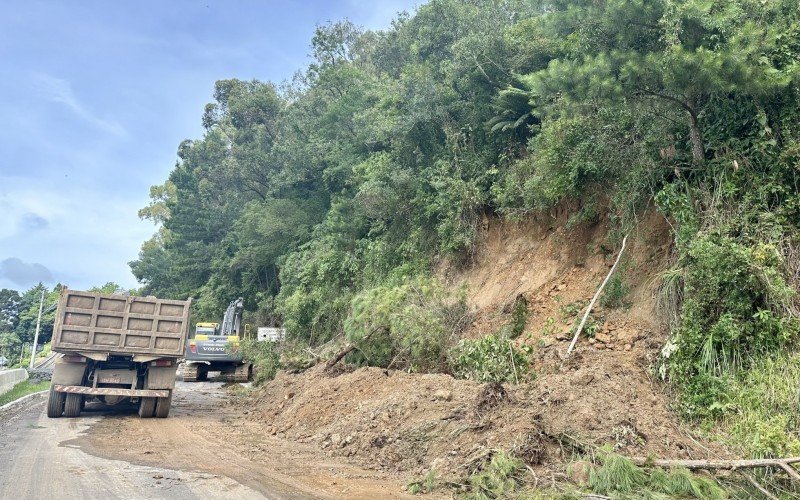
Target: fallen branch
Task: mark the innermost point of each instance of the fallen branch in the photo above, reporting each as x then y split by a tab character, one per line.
350	348
594	299
511	352
783	463
757	486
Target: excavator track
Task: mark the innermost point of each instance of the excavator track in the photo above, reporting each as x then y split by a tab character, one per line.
190	372
241	374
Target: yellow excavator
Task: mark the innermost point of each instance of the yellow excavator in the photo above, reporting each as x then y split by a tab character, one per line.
215	348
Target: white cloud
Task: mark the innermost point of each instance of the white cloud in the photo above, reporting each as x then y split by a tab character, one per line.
90	236
60	91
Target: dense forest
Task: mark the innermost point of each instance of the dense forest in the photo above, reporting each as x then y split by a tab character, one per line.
326	201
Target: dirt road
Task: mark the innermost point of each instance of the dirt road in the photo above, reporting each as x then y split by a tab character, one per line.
112	453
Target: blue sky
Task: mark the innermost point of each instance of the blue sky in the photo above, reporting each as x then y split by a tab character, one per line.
95	97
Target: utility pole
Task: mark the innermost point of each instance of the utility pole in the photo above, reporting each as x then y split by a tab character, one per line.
36	336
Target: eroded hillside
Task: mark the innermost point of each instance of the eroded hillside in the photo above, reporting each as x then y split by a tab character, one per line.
606	393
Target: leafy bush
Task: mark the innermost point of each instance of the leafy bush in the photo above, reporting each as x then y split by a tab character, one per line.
409	325
763	418
615	292
491	359
519	317
265	358
731	315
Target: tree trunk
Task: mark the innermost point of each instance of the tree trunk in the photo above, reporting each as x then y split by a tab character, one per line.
783	463
698	149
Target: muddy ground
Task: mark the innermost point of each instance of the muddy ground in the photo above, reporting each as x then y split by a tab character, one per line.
205	433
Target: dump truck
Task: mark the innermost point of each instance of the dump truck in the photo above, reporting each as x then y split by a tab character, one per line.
116	348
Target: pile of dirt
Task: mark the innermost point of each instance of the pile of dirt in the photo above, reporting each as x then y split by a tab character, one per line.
605	393
400	422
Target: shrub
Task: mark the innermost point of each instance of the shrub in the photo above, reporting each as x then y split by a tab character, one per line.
265	358
491	359
519	317
615	292
763	420
409	325
733	295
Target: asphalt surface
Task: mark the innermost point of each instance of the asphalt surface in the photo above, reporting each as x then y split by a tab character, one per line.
40	458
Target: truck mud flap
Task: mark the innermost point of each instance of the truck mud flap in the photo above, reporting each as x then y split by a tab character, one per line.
113	391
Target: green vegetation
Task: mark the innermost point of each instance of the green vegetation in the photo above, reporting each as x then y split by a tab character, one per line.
425	485
410	325
326	202
23	389
616	292
264	356
500	477
18	313
618	477
492	359
519	317
761	408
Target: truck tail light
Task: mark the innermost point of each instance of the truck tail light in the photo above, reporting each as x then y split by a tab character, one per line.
163	362
74	359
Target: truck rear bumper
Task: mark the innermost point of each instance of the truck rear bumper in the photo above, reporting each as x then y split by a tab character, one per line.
112	391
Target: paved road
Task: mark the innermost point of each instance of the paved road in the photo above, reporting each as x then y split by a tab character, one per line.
39	459
208	448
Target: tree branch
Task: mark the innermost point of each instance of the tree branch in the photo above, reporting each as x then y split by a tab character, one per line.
594	299
714	464
350	348
668	97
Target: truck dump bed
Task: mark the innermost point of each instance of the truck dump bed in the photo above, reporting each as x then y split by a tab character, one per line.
120	325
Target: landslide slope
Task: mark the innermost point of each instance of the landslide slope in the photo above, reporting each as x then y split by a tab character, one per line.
607	392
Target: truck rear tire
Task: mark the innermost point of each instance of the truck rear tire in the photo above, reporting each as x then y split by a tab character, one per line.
72	405
147	406
55	403
163	405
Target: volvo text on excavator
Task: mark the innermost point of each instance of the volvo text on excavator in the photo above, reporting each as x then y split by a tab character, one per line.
215	347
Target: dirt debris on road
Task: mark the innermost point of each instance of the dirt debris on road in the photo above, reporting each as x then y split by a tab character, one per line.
208	433
42	458
397	422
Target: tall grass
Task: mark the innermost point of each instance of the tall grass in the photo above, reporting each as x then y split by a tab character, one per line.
23	389
764	408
